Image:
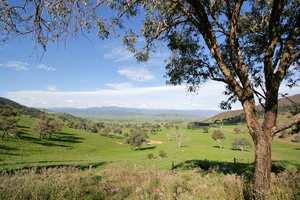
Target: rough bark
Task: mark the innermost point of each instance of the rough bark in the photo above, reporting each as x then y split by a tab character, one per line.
263	163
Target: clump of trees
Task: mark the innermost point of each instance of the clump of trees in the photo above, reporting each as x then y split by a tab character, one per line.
218	136
46	126
241	143
136	139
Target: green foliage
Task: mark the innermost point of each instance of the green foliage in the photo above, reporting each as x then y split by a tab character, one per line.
162	154
150	155
7	105
191	125
136	139
218	135
46	126
241	143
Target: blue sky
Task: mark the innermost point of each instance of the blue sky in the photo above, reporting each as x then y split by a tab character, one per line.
91	72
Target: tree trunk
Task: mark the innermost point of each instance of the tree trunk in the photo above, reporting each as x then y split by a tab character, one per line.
3	135
263	163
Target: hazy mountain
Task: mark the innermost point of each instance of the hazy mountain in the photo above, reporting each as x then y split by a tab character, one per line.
121	111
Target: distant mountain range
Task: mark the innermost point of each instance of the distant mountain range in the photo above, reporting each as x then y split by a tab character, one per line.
121	111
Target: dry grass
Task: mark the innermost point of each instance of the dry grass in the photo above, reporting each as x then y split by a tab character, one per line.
120	183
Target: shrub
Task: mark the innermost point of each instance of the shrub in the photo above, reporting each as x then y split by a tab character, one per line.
150	155
162	154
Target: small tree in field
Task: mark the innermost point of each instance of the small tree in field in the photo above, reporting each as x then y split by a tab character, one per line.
205	129
240	143
136	139
46	126
219	136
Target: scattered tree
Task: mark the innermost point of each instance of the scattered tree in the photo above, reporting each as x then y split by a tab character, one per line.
46	126
136	139
219	136
7	124
240	143
191	125
180	137
205	129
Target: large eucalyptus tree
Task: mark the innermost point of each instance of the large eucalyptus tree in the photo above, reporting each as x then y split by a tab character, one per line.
251	46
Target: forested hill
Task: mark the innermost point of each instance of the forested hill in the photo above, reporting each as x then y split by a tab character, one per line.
9	104
285	107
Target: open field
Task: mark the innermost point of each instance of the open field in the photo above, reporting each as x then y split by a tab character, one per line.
81	148
77	164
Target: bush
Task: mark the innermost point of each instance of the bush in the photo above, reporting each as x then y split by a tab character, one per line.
150	155
162	154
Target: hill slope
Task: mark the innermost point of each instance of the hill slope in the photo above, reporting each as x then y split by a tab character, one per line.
285	106
9	104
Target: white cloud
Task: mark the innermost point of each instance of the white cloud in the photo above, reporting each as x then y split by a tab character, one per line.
125	95
136	74
119	54
16	65
45	67
51	88
120	85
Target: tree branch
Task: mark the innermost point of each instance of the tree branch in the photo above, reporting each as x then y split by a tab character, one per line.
294	120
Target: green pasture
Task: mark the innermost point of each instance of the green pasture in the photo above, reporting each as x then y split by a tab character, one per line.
84	149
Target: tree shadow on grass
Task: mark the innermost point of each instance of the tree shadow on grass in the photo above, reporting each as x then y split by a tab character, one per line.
39	168
239	150
66	137
44	142
6	150
147	148
242	169
116	137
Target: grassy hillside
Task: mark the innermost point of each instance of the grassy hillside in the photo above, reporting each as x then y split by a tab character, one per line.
81	148
79	164
285	107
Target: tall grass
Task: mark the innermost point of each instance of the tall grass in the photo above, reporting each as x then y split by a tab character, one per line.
120	183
